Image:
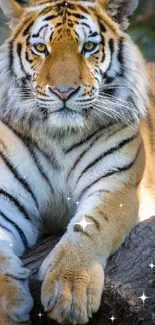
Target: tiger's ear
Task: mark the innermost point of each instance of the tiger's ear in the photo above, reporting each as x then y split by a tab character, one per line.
12	10
120	10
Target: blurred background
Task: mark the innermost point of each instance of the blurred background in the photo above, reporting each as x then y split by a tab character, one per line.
142	28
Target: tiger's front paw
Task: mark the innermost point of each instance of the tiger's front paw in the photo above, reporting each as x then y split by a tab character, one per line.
72	289
15	299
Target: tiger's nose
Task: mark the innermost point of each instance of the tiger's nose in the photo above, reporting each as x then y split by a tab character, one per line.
63	92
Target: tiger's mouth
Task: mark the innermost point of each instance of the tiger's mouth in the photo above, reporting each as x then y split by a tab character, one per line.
53	106
66	109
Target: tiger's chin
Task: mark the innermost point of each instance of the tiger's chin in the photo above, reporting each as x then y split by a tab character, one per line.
67	120
70	120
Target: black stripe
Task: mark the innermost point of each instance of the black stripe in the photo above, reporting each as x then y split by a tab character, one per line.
78	228
40	168
35	158
103	49
7	229
97	80
11	57
94	221
111	48
101	72
20	207
76	15
59	30
86	25
110	173
94	53
50	17
102	27
59	24
46	10
109	80
106	153
27	29
120	52
85	100
80	7
78	36
109	91
44	112
51	160
94	34
70	24
120	56
89	137
27	57
62	5
19	177
29	141
20	232
36	161
82	154
38	33
44	100
19	52
51	36
25	93
90	146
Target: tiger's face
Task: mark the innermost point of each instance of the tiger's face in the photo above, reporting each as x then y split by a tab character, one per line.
68	55
67	50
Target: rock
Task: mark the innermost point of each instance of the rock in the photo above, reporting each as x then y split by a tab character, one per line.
127	276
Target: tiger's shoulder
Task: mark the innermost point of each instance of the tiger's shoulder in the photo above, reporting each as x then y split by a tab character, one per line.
147	127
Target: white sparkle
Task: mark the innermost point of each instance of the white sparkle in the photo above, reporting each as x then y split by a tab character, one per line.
84	223
10	245
112	318
66	4
68	198
121	205
40	315
151	266
77	202
143	297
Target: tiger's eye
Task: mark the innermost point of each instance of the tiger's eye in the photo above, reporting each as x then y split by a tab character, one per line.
89	46
40	47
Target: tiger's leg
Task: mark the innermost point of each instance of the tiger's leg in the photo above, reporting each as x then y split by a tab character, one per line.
21	189
15	298
73	273
73	276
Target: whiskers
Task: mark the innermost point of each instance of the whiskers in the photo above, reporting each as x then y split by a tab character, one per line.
114	108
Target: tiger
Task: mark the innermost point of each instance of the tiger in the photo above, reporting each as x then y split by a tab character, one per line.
76	149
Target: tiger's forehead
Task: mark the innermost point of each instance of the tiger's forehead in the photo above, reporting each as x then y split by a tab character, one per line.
80	25
42	4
